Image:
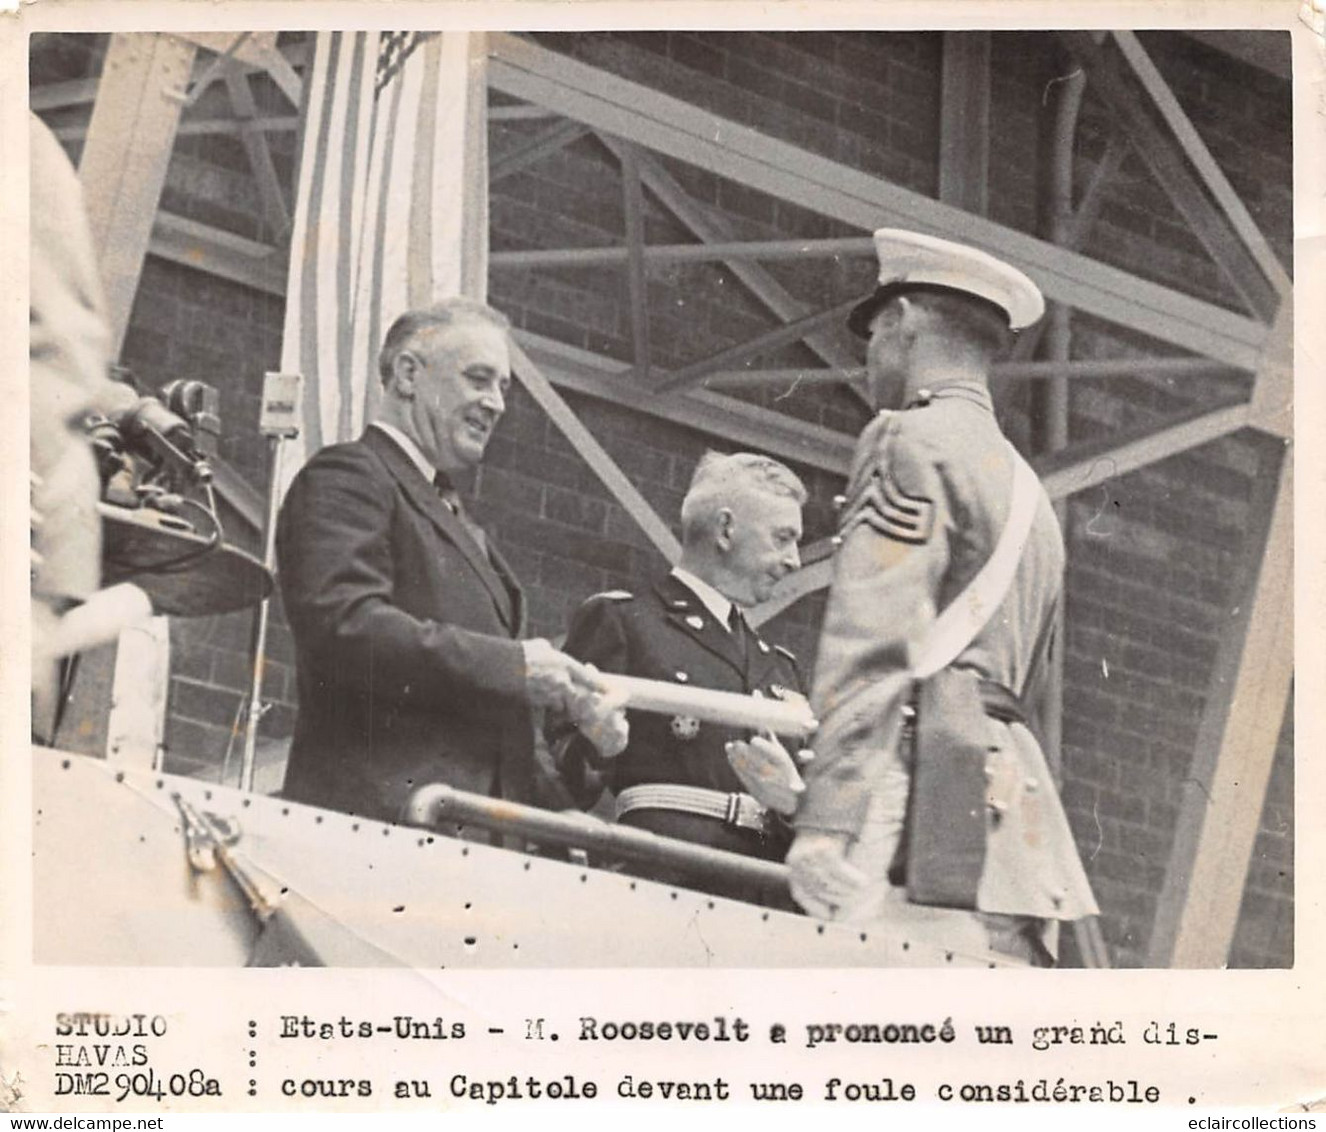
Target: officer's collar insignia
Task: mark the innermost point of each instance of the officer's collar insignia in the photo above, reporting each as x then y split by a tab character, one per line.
695	621
763	647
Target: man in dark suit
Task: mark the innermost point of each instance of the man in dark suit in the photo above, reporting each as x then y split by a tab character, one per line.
406	619
932	488
741	521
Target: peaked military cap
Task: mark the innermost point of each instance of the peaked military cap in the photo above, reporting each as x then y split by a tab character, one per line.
912	261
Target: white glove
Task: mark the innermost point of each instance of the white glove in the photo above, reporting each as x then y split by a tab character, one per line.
601	718
767	771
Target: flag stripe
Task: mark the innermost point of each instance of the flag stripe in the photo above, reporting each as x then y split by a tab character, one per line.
448	179
393	296
381	220
312	363
292	346
351	208
388	119
421	198
471	61
327	249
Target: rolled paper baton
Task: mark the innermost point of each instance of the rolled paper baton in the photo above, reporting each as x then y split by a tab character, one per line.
729	708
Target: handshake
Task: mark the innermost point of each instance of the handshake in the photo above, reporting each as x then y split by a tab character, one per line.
578	691
595	703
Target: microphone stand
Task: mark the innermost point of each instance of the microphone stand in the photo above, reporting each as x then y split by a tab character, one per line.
279	422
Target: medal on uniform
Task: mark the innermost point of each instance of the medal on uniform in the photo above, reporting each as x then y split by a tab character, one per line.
685	727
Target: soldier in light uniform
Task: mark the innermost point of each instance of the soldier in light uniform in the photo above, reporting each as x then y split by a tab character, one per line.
741	521
928	496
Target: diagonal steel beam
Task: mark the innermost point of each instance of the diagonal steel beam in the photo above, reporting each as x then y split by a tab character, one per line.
544	144
258	50
518	112
1093	198
1087	464
710	413
220	253
671	126
772	340
1075	370
260	155
756	278
1212	175
1225	788
603	465
1273	391
737	254
1107	71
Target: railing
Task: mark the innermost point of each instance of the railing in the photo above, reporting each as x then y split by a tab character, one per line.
436	804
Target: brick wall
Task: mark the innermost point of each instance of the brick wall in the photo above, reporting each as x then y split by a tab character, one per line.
1152	555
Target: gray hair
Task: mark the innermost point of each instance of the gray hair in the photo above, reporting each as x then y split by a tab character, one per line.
718	478
448	312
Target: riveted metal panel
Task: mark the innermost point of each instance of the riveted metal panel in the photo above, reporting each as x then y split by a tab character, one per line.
113	886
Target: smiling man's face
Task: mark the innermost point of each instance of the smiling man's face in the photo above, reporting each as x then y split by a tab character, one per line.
460	379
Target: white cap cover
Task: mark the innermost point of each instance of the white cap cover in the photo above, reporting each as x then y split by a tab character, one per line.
912	260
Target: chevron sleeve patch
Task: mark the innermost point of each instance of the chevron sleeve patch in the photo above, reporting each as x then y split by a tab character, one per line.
886	508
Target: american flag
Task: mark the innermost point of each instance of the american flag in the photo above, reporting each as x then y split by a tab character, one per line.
390	213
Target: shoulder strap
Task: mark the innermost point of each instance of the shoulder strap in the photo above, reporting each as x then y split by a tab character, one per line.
956	627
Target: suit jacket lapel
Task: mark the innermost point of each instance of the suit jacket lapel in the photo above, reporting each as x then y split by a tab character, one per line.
516	594
692	617
424	496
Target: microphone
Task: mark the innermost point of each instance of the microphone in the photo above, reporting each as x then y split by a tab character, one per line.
152	430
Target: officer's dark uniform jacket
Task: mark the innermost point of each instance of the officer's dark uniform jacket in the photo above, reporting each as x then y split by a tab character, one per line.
669	634
928	496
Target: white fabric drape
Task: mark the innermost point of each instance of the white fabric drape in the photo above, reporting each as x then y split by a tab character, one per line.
390	211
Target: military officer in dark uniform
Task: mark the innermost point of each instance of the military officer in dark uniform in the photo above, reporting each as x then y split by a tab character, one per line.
929	494
741	521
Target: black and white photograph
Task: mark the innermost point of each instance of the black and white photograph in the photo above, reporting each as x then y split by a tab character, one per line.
663	500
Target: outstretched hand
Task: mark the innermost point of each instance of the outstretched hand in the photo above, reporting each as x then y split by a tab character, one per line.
822	879
555	680
601	718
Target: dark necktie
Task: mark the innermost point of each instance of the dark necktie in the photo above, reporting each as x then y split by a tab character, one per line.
740	635
446	491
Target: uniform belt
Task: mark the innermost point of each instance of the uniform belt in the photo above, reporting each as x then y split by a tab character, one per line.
738	810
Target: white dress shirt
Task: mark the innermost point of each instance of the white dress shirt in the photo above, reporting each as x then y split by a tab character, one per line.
410	448
713	601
